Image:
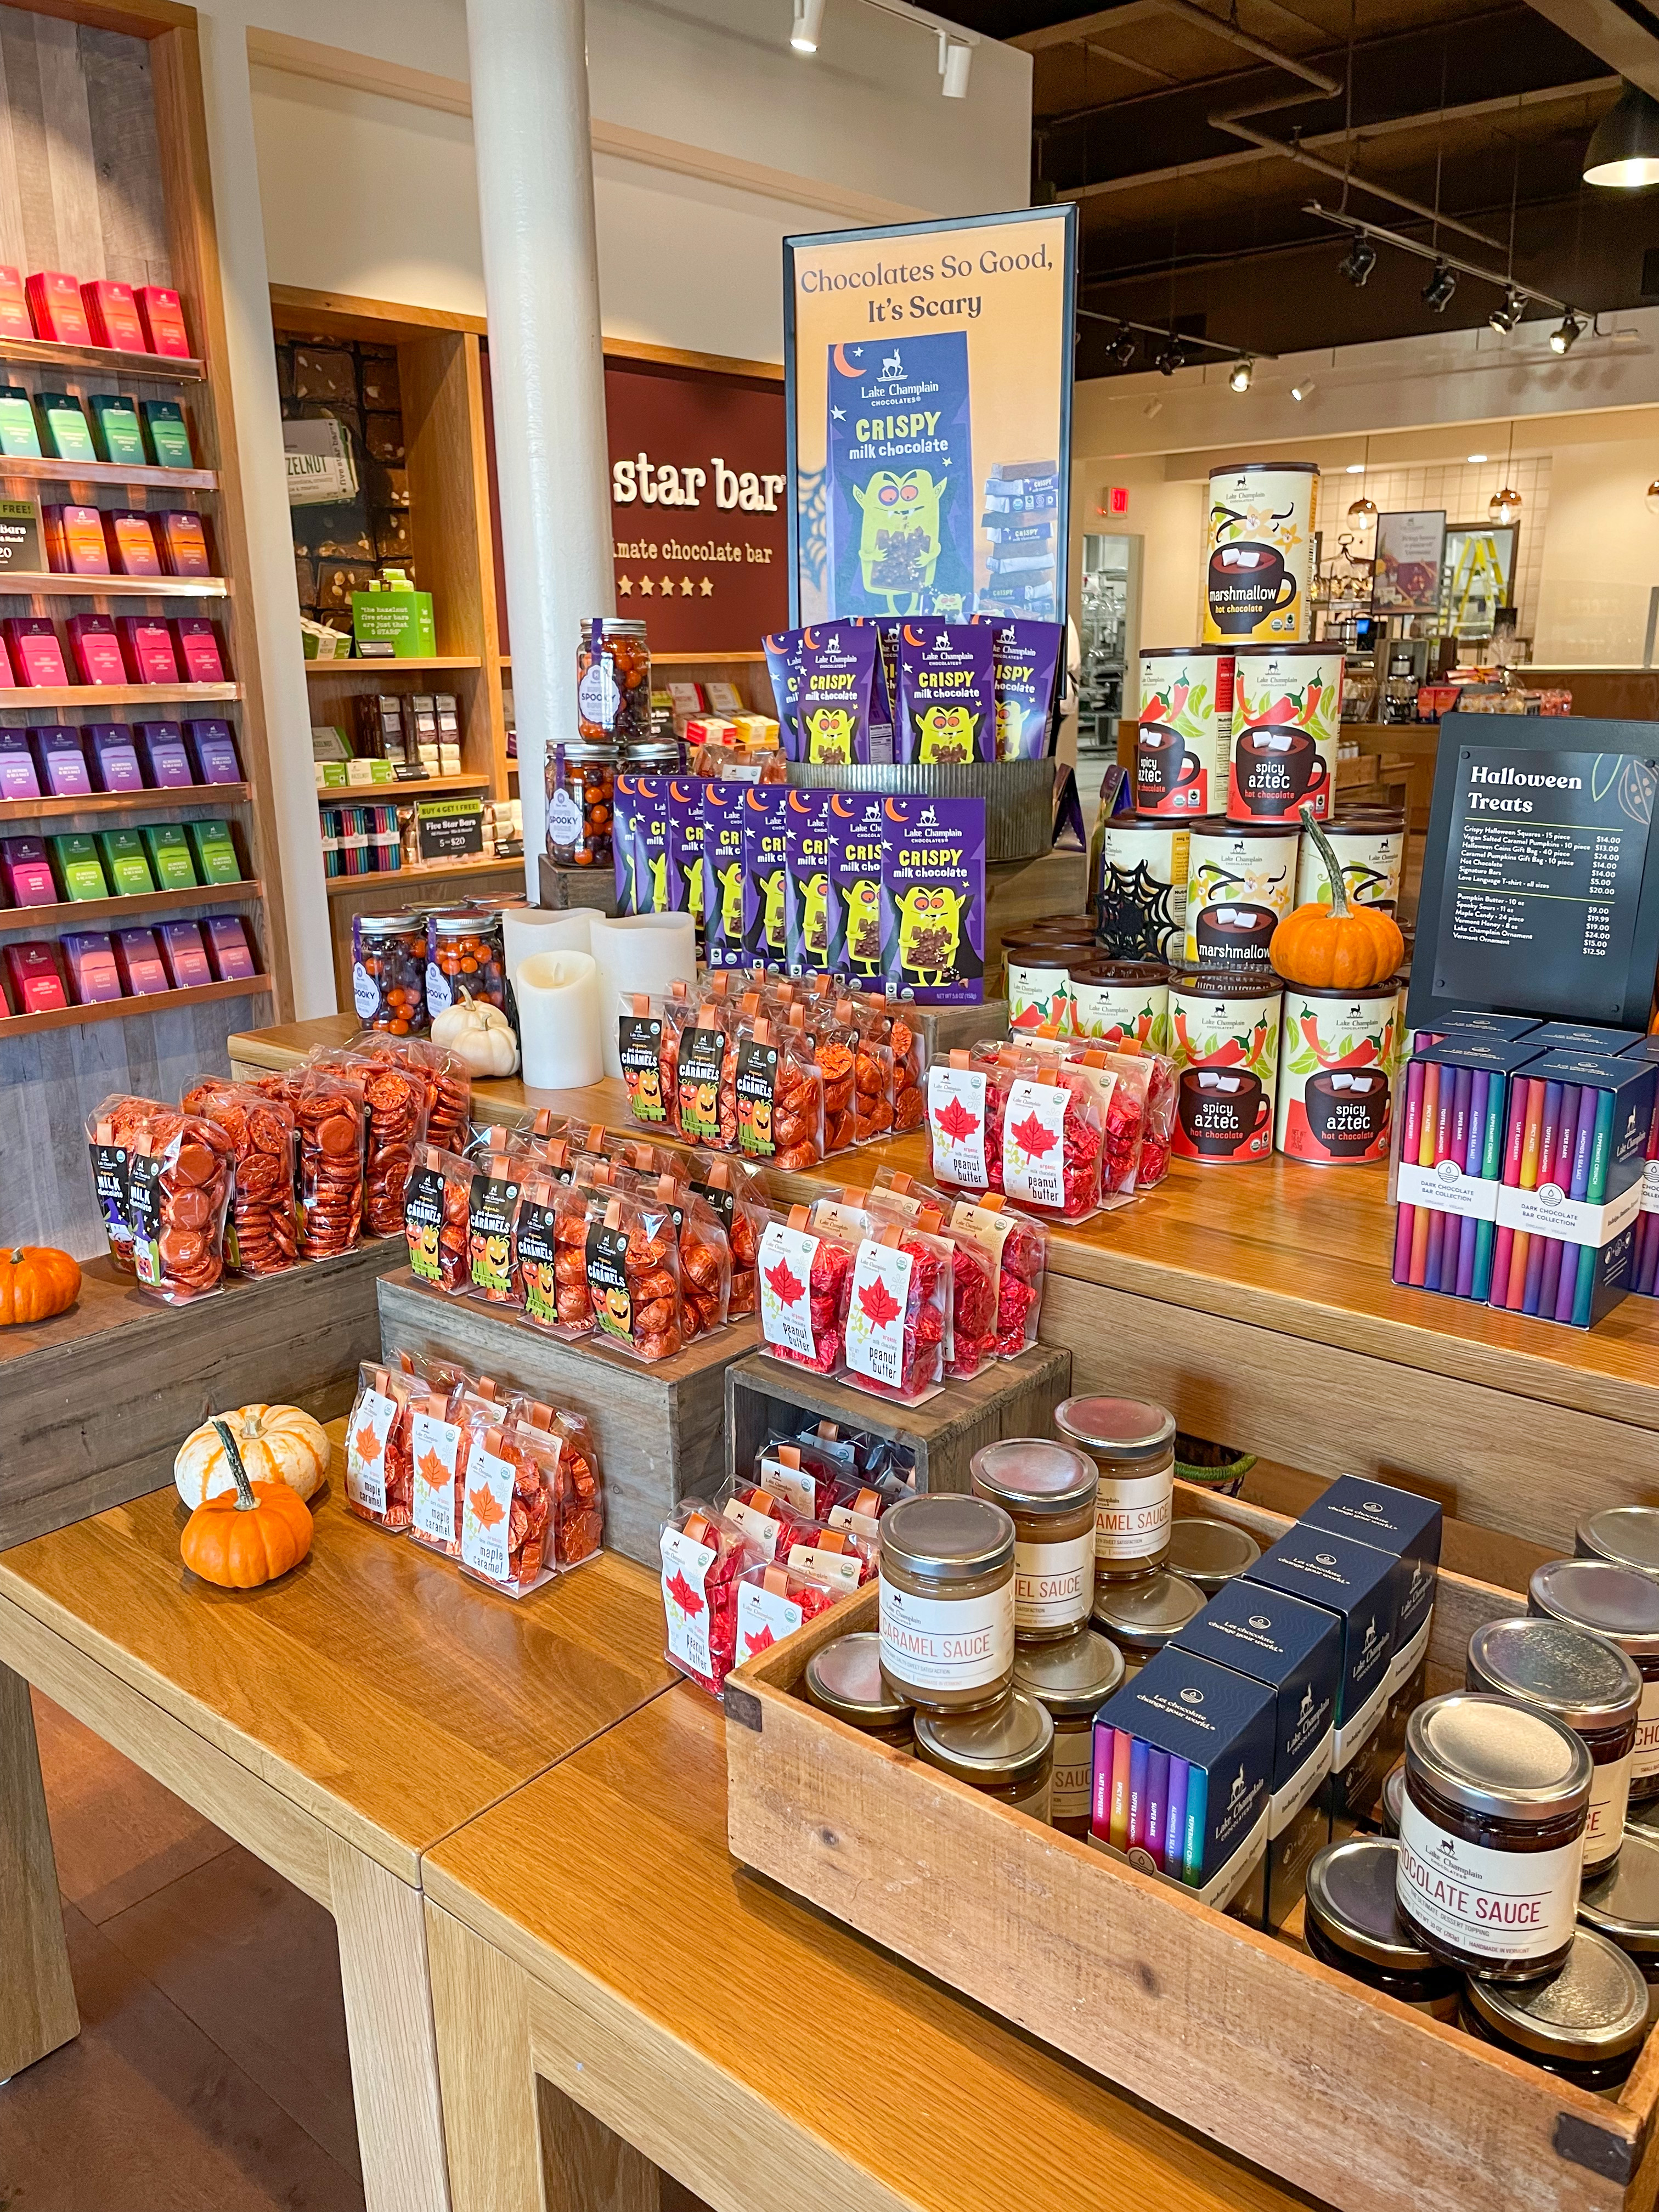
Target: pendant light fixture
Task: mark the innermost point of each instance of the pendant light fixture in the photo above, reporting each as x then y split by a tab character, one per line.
1653	496
1623	154
1363	509
1504	506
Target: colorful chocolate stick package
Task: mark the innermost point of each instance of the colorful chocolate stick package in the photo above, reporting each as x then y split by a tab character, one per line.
783	649
723	815
684	848
837	679
808	835
947	693
933	899
765	837
857	820
1025	664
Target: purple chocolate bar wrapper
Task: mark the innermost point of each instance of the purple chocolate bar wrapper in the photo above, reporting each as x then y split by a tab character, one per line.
1025	661
946	692
624	857
837	681
807	841
765	813
932	900
857	826
783	666
17	777
684	847
722	871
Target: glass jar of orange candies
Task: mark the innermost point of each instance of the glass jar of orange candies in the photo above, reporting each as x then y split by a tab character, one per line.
388	972
465	950
613	681
581	797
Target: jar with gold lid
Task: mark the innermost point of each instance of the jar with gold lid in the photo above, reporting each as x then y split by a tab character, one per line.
845	1678
1589	1686
1049	1491
1210	1552
1072	1680
1132	1444
1585	2023
1622	1603
1140	1618
1352	1923
1007	1752
947	1602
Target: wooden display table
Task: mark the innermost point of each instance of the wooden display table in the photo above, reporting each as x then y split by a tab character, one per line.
1257	1303
339	1725
614	1995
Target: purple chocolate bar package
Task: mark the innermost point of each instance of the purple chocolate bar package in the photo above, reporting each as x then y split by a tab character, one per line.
765	813
685	871
856	824
947	693
837	684
932	900
783	666
806	845
722	869
1025	662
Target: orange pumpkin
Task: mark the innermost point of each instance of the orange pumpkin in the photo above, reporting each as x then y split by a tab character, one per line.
1339	946
250	1535
36	1282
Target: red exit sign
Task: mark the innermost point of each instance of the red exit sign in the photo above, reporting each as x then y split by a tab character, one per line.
1115	500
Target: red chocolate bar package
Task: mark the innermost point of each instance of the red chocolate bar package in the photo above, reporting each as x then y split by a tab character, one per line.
197	644
26	872
113	315
96	646
146	647
131	542
36	655
163	318
56	309
37	986
184	542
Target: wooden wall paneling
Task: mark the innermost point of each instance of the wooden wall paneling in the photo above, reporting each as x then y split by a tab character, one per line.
127	157
69	164
194	248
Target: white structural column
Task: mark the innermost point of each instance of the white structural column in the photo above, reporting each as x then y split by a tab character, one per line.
529	127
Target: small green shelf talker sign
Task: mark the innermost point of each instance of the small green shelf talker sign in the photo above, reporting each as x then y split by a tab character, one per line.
402	620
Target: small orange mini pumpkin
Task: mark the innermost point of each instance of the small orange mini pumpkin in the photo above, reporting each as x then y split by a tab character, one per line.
1336	947
36	1282
245	1538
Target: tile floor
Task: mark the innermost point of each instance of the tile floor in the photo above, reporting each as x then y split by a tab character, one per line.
210	2074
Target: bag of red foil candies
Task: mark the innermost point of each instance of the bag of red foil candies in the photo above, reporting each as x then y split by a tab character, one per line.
774	1601
898	1311
1019	1248
703	1559
970	1336
805	1278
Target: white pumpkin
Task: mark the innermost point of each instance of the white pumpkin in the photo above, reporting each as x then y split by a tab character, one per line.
480	1033
278	1444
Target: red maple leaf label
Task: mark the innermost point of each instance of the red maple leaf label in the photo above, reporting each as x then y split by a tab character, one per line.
879	1303
683	1594
787	1286
368	1442
957	1122
1033	1138
761	1642
432	1470
487	1509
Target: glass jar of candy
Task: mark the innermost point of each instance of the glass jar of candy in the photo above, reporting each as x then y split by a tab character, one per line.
613	681
388	978
581	797
465	950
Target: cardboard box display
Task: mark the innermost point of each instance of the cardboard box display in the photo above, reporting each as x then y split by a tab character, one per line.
13	306
36	981
184	542
77	869
60	761
197	643
213	751
166	434
65	431
90	957
75	545
18	778
26	872
1205	1734
230	954
37	657
170	858
1294	1648
96	644
112	755
161	752
56	307
216	855
162	314
113	315
138	964
1583	1036
117	431
1361	1586
131	541
20	433
146	647
125	863
185	955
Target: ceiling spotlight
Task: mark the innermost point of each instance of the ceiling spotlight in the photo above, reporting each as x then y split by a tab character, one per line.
1240	379
1624	152
1121	350
1564	339
1437	293
1355	469
1300	391
1358	262
1170	357
1478	457
809	22
1504	507
956	58
1504	317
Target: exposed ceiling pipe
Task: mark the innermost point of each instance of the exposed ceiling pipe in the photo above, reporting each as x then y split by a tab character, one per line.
1194	14
1239	128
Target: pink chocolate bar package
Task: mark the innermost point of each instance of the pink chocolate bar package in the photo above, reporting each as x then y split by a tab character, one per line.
94	977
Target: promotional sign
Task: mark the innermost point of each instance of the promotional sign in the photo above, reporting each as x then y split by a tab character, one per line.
1540	879
697	507
929	398
1410	551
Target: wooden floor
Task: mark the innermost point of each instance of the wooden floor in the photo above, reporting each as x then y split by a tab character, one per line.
210	2074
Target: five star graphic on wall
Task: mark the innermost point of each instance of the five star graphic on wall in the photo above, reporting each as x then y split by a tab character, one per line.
689	587
668	588
646	586
708	588
685	587
625	585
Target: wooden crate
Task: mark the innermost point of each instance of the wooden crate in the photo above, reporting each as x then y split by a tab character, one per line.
1010	1398
658	1427
1241	2035
98	1401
